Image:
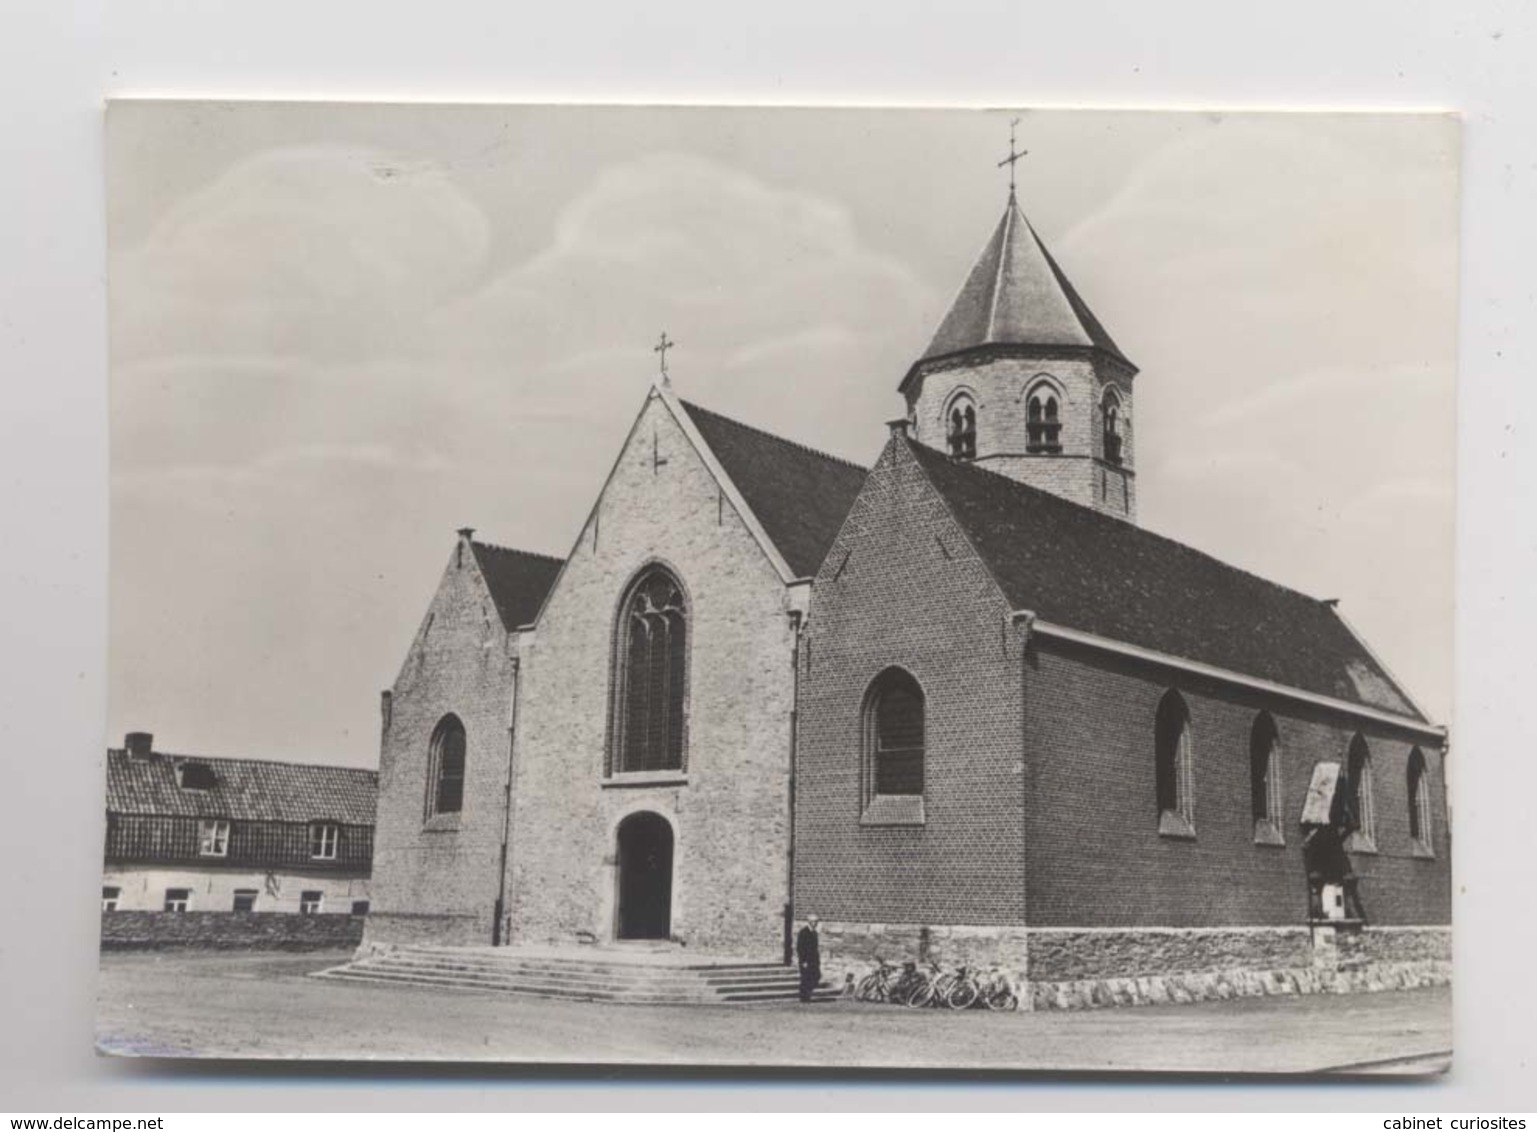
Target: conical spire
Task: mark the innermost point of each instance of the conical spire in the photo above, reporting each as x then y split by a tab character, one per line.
1016	295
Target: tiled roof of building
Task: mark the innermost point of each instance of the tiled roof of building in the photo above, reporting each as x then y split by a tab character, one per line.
1017	295
1076	567
799	495
240	789
517	579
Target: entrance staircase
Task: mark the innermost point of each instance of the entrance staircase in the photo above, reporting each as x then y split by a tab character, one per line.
592	974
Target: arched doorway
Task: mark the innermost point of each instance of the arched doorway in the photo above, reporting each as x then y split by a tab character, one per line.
645	877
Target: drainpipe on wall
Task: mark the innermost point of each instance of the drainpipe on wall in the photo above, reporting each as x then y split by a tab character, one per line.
797	625
501	928
1024	621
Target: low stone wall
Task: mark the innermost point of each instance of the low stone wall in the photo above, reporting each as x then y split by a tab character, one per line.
247	931
392	929
1074	969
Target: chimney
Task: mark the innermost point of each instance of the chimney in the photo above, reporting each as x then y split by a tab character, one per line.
900	427
139	744
465	535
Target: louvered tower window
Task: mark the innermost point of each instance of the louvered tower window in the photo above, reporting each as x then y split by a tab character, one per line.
1042	426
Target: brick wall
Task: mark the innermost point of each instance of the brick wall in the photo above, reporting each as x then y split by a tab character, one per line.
730	811
902	587
1096	856
278	931
1001	387
459	662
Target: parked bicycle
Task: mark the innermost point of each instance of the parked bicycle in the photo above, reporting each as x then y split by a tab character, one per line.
876	986
997	993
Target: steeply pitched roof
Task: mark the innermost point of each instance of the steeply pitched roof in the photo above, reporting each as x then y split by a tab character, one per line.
1075	567
517	579
1017	295
241	789
799	495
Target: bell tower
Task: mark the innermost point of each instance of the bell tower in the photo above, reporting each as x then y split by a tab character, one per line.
1022	379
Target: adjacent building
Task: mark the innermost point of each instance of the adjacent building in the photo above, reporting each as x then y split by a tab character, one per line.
194	834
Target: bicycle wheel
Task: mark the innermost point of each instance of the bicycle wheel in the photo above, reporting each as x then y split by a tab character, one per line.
962	994
869	989
921	995
1001	998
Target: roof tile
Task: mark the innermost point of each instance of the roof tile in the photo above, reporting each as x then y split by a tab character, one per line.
800	495
243	789
1074	566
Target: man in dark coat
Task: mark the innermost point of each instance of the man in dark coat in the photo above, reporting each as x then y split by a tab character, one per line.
808	950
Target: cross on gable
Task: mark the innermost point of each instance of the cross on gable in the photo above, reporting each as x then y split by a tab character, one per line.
662	346
1012	159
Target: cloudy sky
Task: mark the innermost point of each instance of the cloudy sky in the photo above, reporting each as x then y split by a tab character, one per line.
340	332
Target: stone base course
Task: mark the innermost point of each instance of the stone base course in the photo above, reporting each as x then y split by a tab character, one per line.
1065	969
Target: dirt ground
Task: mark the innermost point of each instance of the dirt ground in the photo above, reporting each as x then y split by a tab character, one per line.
263	1006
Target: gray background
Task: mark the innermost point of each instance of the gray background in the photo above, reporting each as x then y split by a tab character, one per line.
59	62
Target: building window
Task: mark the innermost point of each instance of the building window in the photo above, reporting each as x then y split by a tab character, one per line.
445	779
245	900
1174	767
178	899
109	897
1042	427
1265	780
1362	816
325	835
650	676
1419	805
893	750
1110	426
309	902
360	907
961	428
213	838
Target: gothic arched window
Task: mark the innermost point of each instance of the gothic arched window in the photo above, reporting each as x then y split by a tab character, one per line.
1265	779
961	428
894	734
1362	818
1419	803
1042	424
650	676
445	768
1174	769
1110	425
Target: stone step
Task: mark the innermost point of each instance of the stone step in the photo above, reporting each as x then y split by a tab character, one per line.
511	955
514	960
498	987
530	975
577	977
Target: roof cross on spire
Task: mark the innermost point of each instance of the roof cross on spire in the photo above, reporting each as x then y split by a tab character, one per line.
1013	157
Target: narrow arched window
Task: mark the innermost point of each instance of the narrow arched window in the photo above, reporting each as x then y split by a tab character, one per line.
445	777
1110	425
1419	803
1043	427
894	710
961	432
1362	816
1173	767
1265	780
650	676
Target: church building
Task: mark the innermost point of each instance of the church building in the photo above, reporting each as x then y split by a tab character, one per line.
957	704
